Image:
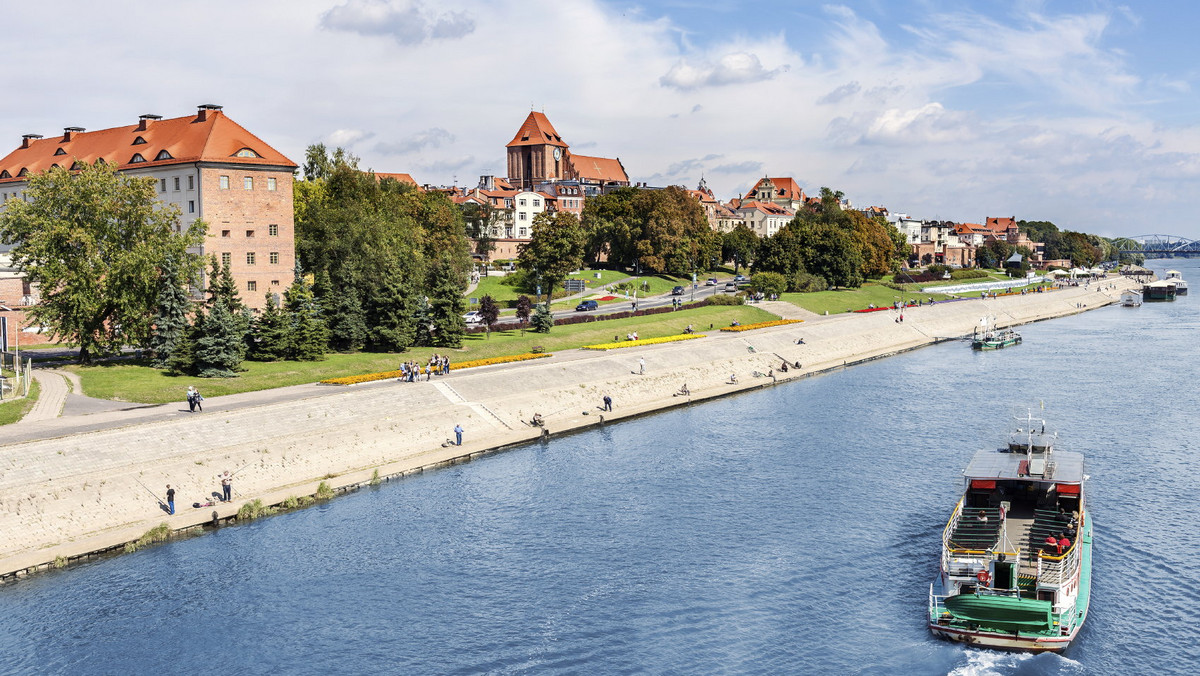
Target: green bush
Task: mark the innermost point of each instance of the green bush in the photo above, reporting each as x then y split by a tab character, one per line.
726	299
972	273
804	282
251	510
768	283
324	492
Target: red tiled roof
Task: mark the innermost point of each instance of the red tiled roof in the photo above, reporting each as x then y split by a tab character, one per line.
1000	224
403	178
785	186
598	168
766	207
536	131
179	140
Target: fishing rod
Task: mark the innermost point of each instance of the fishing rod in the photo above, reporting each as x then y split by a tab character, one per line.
149	491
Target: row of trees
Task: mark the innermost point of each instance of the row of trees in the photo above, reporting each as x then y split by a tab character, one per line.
390	262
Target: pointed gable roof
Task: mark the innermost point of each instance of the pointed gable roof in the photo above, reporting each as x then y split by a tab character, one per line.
785	187
537	131
211	137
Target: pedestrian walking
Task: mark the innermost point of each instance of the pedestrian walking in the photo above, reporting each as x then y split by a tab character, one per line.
641	366
227	486
191	399
607	403
170	499
458	430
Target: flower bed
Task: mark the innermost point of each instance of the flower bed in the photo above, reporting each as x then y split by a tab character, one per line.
386	375
874	309
643	341
762	325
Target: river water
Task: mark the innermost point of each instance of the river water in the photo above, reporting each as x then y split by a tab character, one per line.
788	531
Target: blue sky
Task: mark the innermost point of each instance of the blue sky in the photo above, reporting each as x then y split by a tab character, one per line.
1083	113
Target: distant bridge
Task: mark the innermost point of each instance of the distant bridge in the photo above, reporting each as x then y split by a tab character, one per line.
1157	245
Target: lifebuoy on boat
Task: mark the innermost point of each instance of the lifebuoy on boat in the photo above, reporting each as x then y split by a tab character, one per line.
983	577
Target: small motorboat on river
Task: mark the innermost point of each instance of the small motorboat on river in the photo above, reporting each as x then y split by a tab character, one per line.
1016	560
1177	279
988	337
1131	298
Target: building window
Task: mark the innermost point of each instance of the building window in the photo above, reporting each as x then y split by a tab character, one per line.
191	206
251	285
246	152
226	258
274	258
224	183
521	232
162	185
537	203
249	258
273	230
249	233
177	183
271	183
224	233
137	157
521	202
191	182
274	282
522	215
248	183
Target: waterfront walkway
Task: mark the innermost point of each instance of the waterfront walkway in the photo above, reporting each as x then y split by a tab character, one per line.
81	483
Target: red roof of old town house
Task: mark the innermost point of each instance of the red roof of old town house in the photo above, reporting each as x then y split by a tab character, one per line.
207	136
402	178
598	168
785	187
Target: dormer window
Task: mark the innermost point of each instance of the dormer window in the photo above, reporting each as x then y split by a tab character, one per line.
137	157
77	166
245	152
163	155
4	174
23	172
60	151
139	141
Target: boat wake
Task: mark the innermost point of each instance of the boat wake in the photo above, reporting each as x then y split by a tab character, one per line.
994	663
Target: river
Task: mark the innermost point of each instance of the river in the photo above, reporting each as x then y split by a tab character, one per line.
793	530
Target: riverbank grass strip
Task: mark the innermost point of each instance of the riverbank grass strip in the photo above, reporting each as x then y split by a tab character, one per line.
761	325
643	341
386	375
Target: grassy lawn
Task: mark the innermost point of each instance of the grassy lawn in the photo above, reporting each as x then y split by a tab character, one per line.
506	296
12	411
845	300
132	382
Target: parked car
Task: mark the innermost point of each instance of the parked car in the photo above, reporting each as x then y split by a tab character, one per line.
712	281
677	291
586	305
473	317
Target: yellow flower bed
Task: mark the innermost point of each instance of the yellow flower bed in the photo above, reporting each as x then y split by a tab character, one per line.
762	325
643	341
386	375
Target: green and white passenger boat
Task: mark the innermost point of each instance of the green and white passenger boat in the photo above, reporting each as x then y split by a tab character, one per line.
1000	582
988	337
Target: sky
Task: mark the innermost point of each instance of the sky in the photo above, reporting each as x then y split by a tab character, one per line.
1081	113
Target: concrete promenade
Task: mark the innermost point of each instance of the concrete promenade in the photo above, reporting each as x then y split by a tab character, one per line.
79	484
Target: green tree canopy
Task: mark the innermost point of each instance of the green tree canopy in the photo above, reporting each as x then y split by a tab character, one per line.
555	248
94	243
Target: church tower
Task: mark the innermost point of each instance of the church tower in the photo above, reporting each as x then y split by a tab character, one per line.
537	153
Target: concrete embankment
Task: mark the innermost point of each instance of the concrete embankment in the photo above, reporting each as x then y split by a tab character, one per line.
69	497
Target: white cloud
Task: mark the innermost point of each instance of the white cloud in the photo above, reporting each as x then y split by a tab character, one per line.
429	139
736	68
346	138
408	22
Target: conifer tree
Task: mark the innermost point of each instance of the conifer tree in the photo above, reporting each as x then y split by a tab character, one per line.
308	334
391	316
171	320
542	321
219	342
270	333
422	322
344	313
183	357
446	305
221	285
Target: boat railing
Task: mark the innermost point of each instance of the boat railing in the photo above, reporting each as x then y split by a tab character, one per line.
1054	569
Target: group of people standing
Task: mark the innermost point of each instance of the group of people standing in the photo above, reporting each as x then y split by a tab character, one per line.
438	365
226	480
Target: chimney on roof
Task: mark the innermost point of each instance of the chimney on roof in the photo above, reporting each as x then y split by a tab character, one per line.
68	131
145	120
202	111
26	138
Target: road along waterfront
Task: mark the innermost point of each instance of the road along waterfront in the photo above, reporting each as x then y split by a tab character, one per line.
65	497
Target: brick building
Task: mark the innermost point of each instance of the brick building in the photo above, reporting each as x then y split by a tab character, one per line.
209	167
537	154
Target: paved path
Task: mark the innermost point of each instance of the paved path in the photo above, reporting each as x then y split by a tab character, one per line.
52	397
